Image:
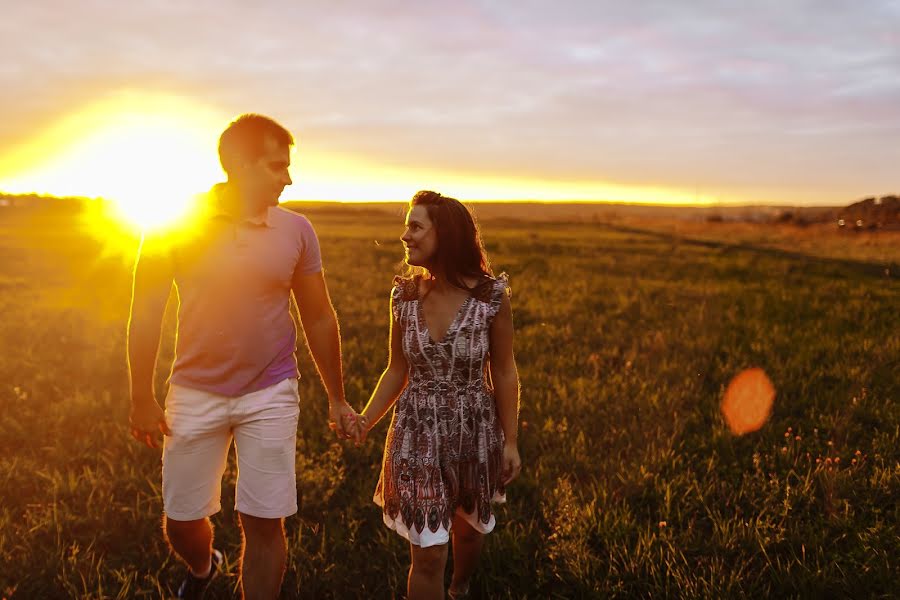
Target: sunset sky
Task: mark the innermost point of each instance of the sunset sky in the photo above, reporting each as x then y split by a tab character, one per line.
781	102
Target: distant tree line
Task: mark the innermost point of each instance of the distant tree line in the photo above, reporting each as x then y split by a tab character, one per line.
870	213
40	201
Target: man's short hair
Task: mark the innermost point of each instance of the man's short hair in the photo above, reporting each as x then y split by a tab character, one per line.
245	138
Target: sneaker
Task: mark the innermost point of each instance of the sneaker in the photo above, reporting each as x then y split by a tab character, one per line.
193	587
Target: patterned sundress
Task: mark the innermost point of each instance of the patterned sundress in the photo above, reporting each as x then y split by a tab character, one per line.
443	452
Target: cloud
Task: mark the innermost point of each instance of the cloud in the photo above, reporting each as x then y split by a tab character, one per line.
651	91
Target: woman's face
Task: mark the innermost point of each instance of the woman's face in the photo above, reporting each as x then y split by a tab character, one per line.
419	238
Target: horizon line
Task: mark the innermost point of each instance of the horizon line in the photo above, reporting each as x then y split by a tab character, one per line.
570	201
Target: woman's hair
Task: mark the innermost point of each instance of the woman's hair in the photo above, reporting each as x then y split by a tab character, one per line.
460	252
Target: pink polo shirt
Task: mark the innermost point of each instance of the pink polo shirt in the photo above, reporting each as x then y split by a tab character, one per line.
233	277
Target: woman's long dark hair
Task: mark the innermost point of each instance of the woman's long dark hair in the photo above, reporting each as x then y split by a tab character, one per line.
460	252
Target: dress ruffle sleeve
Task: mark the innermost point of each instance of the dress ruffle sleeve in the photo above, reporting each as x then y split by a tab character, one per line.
499	289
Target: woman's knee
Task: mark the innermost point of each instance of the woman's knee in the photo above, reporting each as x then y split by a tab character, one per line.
464	533
430	561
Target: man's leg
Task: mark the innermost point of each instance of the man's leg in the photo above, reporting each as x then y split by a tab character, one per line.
266	441
193	461
467	544
192	541
263	558
426	573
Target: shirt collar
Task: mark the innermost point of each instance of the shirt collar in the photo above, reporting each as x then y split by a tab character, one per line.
218	211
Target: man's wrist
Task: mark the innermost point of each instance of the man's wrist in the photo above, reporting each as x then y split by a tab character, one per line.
143	399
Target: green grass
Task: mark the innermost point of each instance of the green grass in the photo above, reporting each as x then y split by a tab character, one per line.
625	341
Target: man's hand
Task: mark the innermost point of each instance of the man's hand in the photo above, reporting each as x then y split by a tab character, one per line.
362	429
342	419
146	419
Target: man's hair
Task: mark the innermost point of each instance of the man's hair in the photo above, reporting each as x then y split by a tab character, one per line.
460	252
245	138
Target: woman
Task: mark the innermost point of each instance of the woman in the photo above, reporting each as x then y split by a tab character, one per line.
452	445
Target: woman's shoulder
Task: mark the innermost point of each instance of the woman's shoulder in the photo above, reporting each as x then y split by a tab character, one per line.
489	289
406	288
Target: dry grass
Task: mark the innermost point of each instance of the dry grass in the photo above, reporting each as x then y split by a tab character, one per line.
632	487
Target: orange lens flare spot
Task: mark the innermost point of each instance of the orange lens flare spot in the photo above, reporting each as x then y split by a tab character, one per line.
748	401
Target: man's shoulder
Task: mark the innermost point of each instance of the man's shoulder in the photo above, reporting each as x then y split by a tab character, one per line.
287	217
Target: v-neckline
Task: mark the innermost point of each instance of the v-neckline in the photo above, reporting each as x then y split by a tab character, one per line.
421	314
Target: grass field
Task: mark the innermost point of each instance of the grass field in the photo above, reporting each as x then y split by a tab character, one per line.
632	485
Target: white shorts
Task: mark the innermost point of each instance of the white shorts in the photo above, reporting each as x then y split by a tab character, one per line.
264	427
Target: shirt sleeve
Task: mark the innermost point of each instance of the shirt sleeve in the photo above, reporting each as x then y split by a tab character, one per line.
157	249
310	254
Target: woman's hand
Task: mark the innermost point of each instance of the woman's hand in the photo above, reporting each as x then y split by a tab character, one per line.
362	429
342	419
512	464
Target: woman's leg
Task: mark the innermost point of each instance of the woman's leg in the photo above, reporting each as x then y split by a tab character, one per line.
426	574
467	544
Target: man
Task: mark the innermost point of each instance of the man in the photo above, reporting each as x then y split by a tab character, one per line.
235	373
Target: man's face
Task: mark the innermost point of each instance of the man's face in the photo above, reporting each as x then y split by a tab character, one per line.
262	180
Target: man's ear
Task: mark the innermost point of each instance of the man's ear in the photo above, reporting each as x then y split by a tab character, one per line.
234	163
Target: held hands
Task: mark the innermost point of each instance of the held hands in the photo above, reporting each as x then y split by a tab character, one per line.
362	429
346	422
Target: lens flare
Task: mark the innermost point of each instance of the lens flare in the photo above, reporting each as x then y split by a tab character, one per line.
748	401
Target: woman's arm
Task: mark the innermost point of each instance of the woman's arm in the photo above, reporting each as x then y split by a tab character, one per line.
505	378
392	382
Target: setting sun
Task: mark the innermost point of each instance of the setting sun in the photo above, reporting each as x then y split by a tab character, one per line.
148	154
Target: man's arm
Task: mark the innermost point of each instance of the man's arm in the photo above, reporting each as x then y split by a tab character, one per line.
323	337
153	275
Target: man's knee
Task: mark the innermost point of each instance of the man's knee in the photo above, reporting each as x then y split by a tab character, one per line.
258	528
430	561
185	529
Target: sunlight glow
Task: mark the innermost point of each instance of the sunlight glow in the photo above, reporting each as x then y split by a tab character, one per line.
322	176
148	153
